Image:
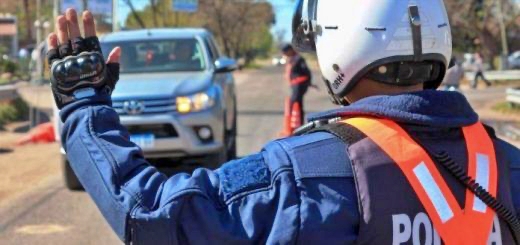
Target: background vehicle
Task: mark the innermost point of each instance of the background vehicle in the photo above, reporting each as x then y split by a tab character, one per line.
278	61
176	96
514	60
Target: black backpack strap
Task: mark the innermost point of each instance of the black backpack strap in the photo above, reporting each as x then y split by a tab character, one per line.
345	132
491	131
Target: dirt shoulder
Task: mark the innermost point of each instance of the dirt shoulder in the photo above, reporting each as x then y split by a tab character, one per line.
24	167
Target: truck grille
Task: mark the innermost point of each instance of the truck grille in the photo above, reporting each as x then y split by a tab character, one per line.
158	130
138	107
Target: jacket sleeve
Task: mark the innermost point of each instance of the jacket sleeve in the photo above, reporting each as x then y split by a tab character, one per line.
244	202
512	155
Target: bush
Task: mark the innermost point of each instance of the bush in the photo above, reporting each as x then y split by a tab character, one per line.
13	111
9	67
507	108
7	114
22	109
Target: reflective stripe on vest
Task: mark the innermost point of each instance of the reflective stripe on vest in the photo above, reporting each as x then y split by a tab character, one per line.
298	80
471	226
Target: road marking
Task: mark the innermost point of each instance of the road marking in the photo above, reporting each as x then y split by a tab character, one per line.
44	229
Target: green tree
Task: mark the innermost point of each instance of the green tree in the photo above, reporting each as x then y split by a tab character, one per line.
25	11
241	27
475	25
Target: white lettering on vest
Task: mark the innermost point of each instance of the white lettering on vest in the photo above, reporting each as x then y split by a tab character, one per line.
404	231
404	234
421	219
436	238
496	233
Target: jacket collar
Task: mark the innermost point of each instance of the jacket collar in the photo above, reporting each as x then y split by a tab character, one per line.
427	108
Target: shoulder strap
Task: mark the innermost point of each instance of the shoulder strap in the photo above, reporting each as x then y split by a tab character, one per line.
423	176
346	133
350	135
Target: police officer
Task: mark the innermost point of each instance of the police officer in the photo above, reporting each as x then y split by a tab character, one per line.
401	164
299	77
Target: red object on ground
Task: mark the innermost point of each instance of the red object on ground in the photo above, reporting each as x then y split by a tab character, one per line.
287	130
43	133
296	114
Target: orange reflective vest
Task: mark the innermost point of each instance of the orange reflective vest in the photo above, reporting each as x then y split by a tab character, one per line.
469	226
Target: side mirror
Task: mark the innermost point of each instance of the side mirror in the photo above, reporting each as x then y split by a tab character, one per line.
225	64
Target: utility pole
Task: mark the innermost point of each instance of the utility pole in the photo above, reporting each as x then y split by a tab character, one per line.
135	14
115	24
33	111
55	9
38	20
503	33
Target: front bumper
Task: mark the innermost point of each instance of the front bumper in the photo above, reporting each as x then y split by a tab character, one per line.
186	144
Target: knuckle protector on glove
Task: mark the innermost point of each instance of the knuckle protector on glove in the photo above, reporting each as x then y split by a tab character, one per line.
92	44
65	50
78	45
52	55
74	72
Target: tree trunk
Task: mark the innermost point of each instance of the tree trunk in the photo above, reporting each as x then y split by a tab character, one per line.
153	4
28	20
135	14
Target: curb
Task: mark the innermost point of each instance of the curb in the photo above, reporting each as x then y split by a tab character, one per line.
512	132
8	92
513	96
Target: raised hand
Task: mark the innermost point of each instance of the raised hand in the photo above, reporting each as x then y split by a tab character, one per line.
78	69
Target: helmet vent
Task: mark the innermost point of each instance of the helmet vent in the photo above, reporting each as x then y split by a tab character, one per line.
415	23
375	28
331	27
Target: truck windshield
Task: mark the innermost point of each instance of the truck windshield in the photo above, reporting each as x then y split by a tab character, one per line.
159	55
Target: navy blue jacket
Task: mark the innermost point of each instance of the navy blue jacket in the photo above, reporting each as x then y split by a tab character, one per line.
296	190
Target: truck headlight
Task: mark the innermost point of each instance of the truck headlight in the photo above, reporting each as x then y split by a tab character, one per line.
194	103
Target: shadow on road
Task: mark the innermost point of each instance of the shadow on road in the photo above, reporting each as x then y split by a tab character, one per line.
5	150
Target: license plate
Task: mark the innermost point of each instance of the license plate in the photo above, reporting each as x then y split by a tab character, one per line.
145	141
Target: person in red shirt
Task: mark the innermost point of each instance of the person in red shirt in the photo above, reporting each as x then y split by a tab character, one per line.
299	77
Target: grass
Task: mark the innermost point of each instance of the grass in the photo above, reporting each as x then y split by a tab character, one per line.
253	65
13	111
507	108
4	81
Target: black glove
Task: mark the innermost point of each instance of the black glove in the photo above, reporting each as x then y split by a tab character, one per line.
78	70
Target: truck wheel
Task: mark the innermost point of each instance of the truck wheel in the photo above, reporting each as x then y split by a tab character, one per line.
231	137
71	181
232	141
216	160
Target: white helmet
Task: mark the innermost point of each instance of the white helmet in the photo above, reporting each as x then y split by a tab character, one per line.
399	42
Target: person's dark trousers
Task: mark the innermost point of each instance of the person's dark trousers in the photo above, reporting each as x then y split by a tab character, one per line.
297	93
479	75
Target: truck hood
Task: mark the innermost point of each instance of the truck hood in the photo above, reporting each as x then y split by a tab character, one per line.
161	85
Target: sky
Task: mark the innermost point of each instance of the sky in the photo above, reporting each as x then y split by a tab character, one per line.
283	10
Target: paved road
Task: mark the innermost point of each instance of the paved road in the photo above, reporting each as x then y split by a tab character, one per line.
50	214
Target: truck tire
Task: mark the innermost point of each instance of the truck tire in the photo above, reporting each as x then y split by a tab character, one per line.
231	137
216	160
71	181
232	141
